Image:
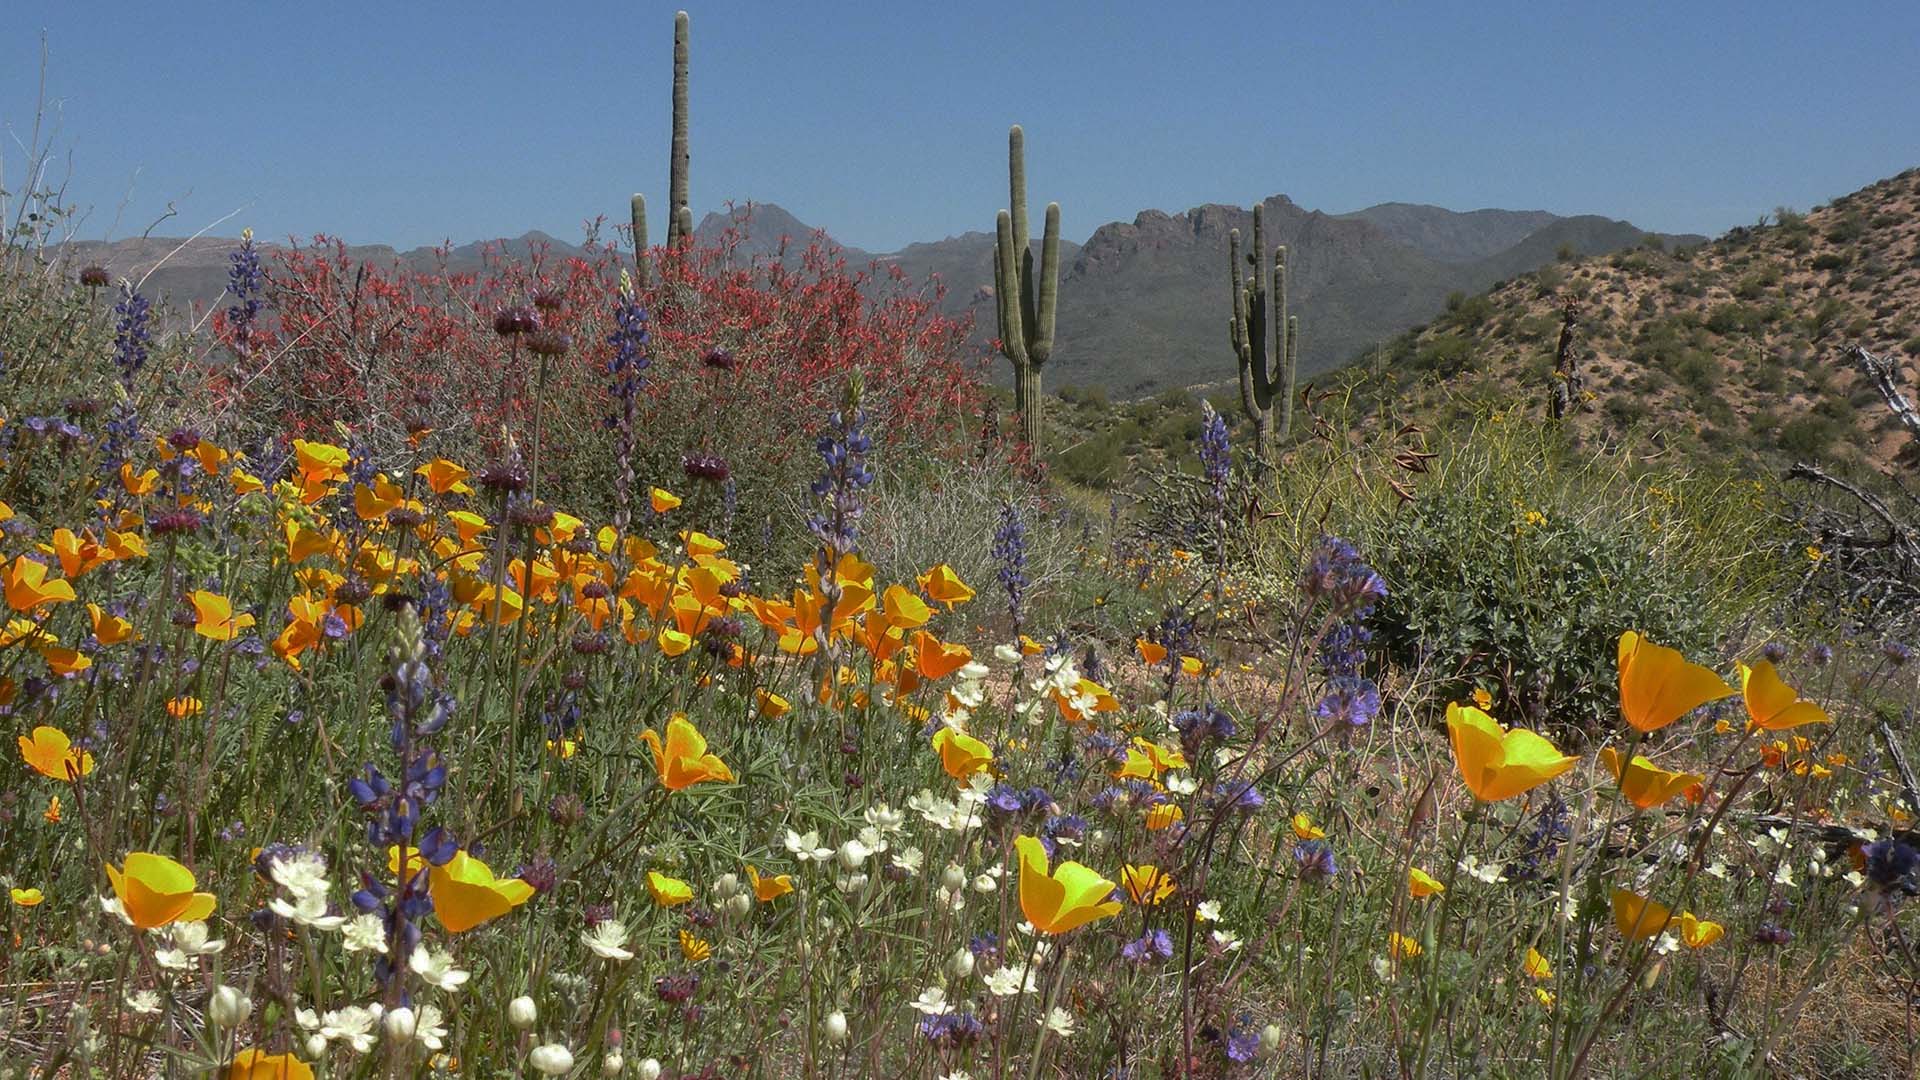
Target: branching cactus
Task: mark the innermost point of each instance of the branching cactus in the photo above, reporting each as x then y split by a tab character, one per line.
1266	339
1026	307
679	215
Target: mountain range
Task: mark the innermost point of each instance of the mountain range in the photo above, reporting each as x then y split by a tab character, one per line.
1143	304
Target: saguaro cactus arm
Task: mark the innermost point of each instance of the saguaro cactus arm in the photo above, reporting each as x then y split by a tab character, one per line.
1013	340
639	209
1042	346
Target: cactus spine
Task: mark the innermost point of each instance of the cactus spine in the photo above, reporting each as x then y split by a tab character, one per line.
1025	307
1268	360
679	216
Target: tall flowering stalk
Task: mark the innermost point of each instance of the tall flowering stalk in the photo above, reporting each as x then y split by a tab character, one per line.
1340	579
1010	551
843	455
245	283
629	341
417	710
132	342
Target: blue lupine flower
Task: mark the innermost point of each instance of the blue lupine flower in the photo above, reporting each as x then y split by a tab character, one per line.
1010	551
1352	700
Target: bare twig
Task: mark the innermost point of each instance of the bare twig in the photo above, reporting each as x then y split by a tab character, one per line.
1879	371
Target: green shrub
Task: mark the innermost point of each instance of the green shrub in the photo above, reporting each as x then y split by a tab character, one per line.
1520	560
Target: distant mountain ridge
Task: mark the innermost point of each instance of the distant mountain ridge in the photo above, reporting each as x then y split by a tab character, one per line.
1143	304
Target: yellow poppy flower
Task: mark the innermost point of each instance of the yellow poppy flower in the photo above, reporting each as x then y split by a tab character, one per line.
961	755
49	752
1498	763
109	629
1163	816
182	707
1638	917
51	815
1645	784
903	608
1150	652
943	586
466	894
936	659
662	500
1407	947
154	891
244	482
666	891
1772	704
768	889
1421	884
26	585
1068	897
1699	933
1305	829
1659	686
252	1064
214	618
693	948
1148	885
1536	966
682	759
444	476
769	704
27	897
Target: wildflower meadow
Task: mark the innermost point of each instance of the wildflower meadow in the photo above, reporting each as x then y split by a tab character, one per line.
666	662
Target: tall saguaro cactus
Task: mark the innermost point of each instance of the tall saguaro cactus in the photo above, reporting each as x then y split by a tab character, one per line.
679	214
1026	307
1265	338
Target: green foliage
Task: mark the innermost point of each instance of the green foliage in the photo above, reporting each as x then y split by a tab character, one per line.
1519	562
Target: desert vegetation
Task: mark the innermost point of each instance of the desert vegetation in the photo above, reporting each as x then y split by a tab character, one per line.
686	661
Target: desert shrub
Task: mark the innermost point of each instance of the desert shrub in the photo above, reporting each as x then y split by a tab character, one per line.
1809	435
1519	560
746	359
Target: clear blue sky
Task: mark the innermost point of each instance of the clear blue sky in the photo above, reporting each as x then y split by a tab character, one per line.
408	121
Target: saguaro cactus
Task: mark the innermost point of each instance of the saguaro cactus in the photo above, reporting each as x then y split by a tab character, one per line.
1026	307
1267	360
639	207
678	212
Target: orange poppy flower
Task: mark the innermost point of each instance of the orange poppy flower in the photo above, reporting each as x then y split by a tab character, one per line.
682	759
1659	686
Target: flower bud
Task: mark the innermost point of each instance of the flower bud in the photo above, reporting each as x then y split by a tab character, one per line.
648	1069
316	1046
961	965
853	854
551	1059
836	1026
740	905
985	884
1270	1037
521	1012
612	1064
726	885
228	1007
953	878
399	1024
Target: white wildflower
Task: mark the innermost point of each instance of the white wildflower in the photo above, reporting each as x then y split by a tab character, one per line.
1207	911
932	1002
365	933
1010	980
607	939
301	874
908	860
1059	1021
551	1059
308	909
144	1002
436	969
806	847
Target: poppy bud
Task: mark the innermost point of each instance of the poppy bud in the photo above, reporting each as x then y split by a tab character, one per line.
522	1013
836	1026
